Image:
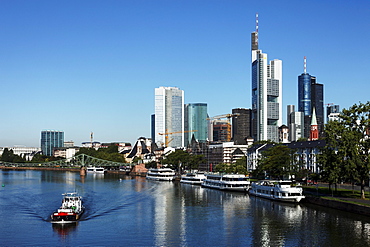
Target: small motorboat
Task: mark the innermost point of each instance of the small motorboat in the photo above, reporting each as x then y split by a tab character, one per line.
71	209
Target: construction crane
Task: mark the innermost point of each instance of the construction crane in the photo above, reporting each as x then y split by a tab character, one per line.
228	116
166	134
225	133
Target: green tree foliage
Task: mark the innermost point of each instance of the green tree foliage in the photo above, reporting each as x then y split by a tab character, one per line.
347	157
177	158
110	153
277	163
239	167
9	156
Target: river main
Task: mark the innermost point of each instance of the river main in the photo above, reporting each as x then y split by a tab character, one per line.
131	211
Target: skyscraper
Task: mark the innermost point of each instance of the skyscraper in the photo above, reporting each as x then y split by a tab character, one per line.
169	116
51	139
196	122
241	125
310	96
266	94
295	123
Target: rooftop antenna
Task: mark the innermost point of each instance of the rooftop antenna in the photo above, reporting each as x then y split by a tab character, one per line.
304	65
256	28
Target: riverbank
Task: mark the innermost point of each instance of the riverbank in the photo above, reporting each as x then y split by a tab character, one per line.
352	205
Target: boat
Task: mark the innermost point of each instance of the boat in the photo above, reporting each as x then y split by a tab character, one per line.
232	182
71	209
280	190
193	178
93	169
161	174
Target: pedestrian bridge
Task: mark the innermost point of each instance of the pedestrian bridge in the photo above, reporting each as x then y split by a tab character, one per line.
81	160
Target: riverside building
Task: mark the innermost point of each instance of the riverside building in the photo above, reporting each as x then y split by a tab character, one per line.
51	139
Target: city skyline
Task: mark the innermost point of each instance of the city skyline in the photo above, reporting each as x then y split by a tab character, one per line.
81	70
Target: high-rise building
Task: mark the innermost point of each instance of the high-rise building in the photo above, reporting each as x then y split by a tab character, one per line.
332	112
51	139
221	131
310	96
169	116
196	123
266	94
295	123
241	125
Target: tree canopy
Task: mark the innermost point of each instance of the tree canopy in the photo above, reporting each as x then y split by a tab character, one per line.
347	152
276	163
239	167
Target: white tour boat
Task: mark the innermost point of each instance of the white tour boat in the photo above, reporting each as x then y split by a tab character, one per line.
93	169
161	174
233	182
71	209
193	178
282	190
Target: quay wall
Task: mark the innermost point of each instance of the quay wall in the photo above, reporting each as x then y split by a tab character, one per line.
341	205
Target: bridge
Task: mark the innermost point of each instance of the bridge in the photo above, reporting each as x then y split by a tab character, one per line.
81	160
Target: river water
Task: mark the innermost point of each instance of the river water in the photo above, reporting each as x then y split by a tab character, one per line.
132	211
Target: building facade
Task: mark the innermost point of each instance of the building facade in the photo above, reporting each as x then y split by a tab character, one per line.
169	117
332	112
266	94
51	139
241	125
295	123
196	122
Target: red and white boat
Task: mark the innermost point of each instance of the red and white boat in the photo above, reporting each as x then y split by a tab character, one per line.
71	209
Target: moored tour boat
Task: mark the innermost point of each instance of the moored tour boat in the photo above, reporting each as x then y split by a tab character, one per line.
232	182
93	169
71	209
161	174
281	190
193	178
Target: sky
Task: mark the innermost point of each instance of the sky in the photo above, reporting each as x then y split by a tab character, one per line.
91	66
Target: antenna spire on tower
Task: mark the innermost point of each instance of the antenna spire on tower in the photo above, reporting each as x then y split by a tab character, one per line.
304	65
256	28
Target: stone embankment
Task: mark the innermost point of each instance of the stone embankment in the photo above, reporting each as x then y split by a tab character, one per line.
345	204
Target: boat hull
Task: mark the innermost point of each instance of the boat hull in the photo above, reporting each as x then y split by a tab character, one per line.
63	218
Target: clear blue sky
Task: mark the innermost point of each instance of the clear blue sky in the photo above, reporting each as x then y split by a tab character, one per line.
82	66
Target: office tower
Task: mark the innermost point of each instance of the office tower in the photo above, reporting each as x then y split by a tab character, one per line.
51	139
196	122
221	131
241	125
169	116
266	94
310	95
295	123
332	112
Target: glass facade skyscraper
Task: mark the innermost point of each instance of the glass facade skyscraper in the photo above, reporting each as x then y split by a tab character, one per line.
310	96
51	139
169	116
266	95
196	122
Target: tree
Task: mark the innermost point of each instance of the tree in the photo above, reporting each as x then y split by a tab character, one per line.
239	167
347	154
177	158
276	162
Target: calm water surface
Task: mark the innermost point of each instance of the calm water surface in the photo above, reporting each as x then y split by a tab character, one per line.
125	211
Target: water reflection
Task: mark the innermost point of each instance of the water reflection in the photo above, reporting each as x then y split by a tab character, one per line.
64	230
